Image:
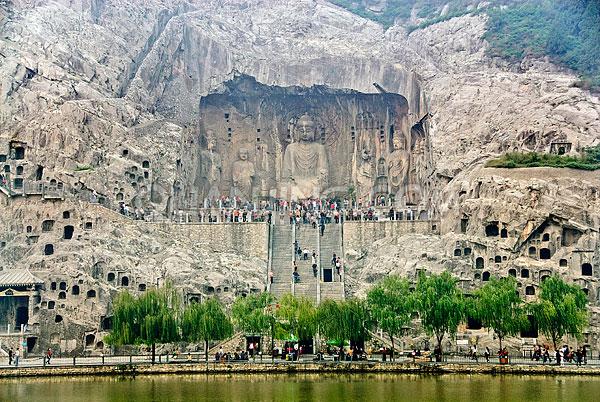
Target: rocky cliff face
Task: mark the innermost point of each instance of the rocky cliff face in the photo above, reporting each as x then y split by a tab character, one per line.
103	95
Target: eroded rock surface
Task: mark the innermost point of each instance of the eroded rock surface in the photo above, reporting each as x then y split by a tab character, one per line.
103	98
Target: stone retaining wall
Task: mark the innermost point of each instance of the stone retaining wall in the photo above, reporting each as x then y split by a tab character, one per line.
361	234
297	368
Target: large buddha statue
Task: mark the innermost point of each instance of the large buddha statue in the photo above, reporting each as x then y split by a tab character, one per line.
305	172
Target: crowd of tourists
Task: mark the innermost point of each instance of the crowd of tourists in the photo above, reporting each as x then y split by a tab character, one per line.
565	354
315	212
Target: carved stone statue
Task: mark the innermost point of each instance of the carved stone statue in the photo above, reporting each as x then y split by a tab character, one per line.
364	176
417	171
398	168
242	175
305	172
208	176
214	173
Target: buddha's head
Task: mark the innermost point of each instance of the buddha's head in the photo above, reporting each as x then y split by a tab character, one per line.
243	154
307	128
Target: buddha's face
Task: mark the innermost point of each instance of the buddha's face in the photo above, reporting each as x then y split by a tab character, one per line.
307	128
243	154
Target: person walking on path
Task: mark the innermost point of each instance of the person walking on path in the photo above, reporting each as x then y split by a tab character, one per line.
271	277
48	356
11	355
17	356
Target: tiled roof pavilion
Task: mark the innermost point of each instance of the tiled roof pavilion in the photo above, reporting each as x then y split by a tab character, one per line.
18	278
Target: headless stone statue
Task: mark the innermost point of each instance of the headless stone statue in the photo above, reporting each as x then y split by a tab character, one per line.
242	175
305	172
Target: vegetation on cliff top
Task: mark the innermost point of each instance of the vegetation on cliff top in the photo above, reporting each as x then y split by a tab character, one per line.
567	31
589	161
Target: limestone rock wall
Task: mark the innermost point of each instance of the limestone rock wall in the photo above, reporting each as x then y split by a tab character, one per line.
86	253
103	97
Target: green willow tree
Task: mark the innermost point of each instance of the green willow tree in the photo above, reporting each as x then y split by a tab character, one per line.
346	320
498	306
254	314
297	316
148	319
391	304
440	304
561	309
205	322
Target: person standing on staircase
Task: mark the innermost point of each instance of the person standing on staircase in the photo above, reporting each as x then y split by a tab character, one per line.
271	277
314	263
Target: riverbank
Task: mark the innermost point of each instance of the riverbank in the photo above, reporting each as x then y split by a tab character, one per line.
294	368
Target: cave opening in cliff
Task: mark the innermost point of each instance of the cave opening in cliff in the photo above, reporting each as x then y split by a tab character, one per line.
47	225
524	273
545	254
563	263
39	173
491	230
18	152
586	269
91	294
486	276
512	272
68	232
48	249
75	290
479	263
90	339
504	233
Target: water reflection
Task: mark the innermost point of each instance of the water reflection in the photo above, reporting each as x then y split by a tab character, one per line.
313	387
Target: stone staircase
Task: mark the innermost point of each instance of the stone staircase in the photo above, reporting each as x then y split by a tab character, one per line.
308	238
282	254
282	245
331	242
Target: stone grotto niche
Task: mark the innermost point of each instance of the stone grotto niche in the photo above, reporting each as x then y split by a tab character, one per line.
259	142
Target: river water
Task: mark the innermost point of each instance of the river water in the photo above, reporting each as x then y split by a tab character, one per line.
281	388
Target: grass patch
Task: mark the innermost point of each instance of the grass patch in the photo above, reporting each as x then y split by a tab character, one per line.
83	168
589	161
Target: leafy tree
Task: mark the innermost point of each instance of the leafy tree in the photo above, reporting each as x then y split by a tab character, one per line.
391	304
205	322
561	309
297	316
440	305
148	319
498	306
254	314
343	320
